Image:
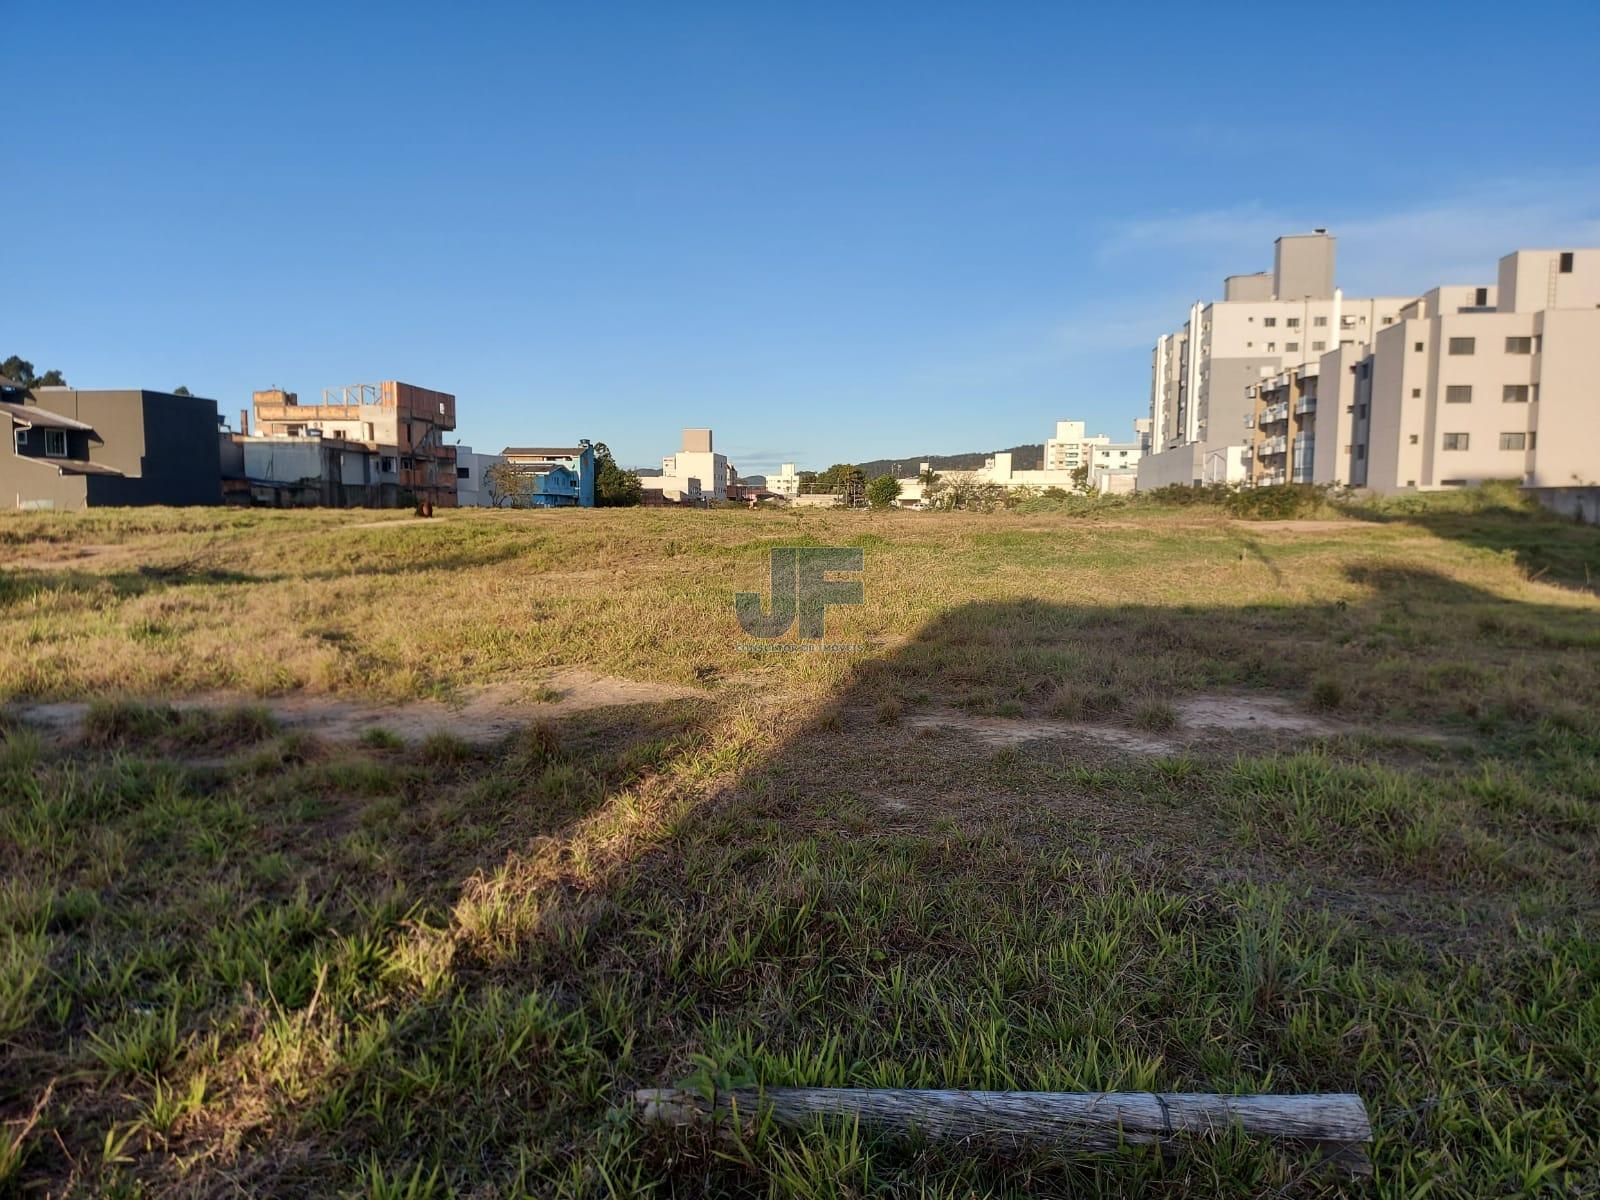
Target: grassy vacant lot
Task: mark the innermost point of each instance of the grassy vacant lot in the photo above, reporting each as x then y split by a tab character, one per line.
240	959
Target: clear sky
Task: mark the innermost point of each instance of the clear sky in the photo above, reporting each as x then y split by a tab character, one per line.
830	231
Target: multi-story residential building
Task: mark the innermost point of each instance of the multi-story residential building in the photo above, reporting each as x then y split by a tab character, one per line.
1071	447
401	424
695	472
577	460
74	448
1264	325
786	482
1281	433
1474	383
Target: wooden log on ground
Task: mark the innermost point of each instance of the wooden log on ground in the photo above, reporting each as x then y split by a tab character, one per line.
1071	1121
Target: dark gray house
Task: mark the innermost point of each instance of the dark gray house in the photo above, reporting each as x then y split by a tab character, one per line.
71	448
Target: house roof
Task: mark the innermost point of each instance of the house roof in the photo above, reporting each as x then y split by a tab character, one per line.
543	451
69	466
33	417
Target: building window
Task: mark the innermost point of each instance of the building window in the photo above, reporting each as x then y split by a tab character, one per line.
1463	345
1566	262
1513	441
1319	322
1269	322
463	472
1457	441
1291	347
1413	439
1361	453
1418	347
21	437
1458	393
1272	347
55	443
1533	440
1319	345
1480	298
1361	412
1416	393
386	464
1453	483
1515	393
1293	322
1519	345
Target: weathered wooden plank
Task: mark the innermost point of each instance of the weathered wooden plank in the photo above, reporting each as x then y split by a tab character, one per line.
1090	1121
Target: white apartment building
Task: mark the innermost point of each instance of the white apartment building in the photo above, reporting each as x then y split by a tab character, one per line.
1473	383
1070	447
1265	324
696	472
786	482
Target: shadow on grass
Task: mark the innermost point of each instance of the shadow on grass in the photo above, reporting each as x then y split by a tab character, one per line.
1545	545
446	970
20	585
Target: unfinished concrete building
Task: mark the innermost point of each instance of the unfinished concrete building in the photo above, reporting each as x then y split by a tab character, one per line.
399	426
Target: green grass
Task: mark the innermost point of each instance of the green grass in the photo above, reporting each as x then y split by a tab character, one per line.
236	957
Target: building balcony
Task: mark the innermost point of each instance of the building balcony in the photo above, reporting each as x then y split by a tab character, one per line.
1306	404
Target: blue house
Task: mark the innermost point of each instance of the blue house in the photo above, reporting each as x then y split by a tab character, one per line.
542	462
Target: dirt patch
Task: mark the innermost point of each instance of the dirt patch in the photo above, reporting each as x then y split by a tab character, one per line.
1308	525
1196	716
1013	731
481	715
55	558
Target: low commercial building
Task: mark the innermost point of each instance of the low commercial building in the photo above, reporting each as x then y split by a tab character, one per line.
474	485
75	448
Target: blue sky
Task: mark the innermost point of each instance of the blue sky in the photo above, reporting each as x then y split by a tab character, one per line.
833	232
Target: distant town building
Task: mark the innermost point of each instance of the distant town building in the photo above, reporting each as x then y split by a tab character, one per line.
786	482
75	448
1070	448
694	475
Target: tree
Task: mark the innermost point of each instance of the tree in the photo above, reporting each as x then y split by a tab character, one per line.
613	486
964	490
505	485
844	480
1080	479
20	370
180	390
883	491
